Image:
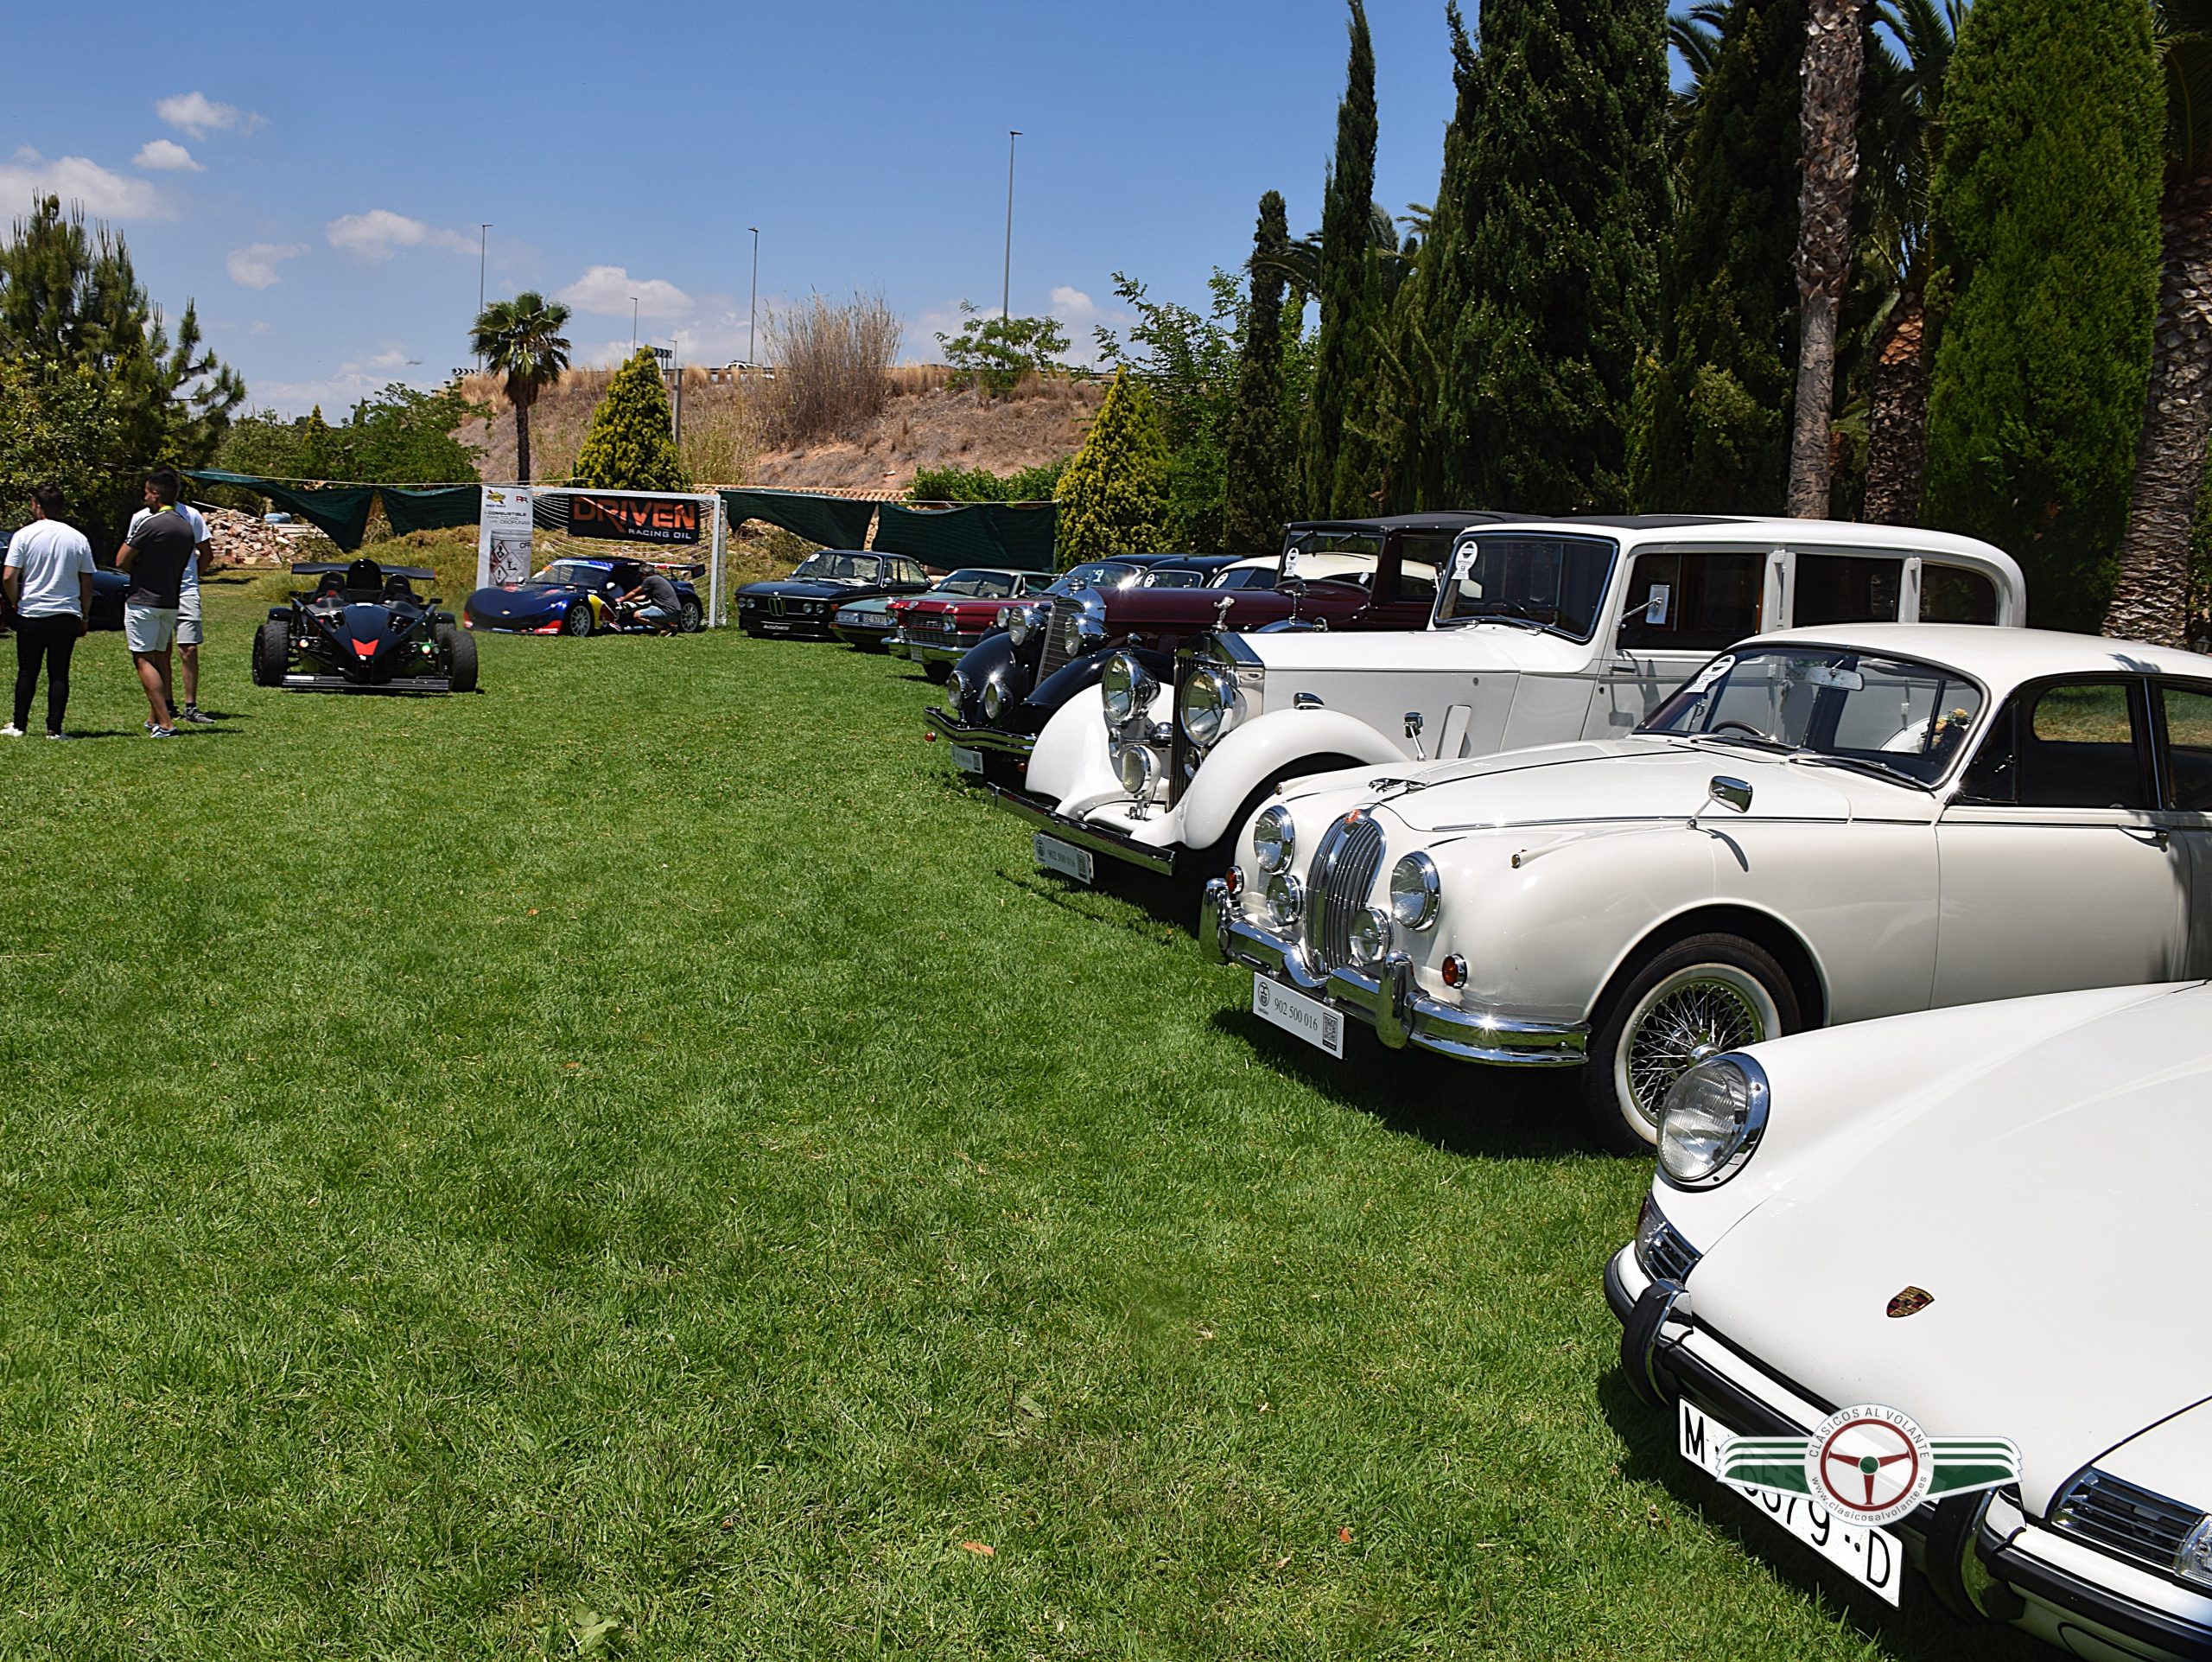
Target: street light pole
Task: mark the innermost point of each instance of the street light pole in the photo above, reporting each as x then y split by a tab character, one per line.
1006	292
633	326
752	306
483	244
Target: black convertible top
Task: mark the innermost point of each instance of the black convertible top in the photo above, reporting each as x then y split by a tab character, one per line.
318	568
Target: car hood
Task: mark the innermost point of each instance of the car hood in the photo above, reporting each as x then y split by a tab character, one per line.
515	599
1613	780
965	605
2052	1205
812	588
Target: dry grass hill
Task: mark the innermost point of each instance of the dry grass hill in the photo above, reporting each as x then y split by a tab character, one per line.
726	441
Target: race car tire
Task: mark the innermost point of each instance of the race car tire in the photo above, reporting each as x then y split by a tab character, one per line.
695	617
459	650
576	621
272	651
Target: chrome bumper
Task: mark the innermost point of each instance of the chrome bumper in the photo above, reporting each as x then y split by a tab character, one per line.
1389	1002
980	737
940	652
1099	841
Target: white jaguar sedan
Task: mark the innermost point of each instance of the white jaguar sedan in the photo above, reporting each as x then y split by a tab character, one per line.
1819	827
1946	1256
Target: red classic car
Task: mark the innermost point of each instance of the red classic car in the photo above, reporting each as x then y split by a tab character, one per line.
937	627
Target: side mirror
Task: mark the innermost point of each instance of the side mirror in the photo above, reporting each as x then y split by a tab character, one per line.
1731	793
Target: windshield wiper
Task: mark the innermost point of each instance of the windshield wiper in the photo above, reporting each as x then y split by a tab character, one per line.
1519	615
1751	740
1867	765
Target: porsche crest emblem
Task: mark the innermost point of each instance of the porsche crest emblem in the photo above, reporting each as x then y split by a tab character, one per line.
1911	1301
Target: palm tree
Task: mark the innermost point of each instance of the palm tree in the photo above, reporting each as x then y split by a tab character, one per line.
2150	600
521	339
1905	67
1835	58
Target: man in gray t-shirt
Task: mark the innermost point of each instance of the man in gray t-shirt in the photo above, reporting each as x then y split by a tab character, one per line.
160	548
654	602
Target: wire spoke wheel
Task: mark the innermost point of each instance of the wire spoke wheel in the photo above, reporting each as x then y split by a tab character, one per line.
1695	1013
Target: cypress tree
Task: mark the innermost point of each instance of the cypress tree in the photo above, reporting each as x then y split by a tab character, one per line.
1564	190
1712	428
629	446
2045	213
1442	292
1261	490
1340	369
1114	495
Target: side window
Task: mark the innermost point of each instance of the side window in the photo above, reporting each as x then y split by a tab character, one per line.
1711	601
2189	746
2078	744
1951	594
1847	588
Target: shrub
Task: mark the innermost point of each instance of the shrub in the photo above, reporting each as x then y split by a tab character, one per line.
995	354
832	367
1036	484
629	446
1114	495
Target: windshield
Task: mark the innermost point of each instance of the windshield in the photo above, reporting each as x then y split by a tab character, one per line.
574	572
1174	576
1886	715
1551	583
1098	574
978	583
819	568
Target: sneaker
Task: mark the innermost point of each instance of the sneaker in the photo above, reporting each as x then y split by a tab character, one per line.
196	716
61	736
11	731
148	725
160	732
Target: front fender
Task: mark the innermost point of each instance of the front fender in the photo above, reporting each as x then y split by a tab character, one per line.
1264	748
1071	759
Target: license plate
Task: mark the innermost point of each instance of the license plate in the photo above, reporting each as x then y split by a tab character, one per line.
1293	1012
1063	858
971	761
1873	1558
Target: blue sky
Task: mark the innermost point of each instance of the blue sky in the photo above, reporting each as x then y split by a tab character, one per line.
314	177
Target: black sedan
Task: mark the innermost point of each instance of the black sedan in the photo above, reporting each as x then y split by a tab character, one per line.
803	602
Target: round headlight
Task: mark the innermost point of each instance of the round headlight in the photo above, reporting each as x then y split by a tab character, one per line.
1001	618
1275	838
993	698
2193	1559
1370	936
1286	900
1022	623
1712	1119
955	689
1127	687
1207	696
1414	891
1134	764
1089	619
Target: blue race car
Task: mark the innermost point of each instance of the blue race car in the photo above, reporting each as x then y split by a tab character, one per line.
576	596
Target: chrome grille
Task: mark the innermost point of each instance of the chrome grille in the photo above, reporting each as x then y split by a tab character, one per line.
928	626
2123	1518
1062	641
1339	880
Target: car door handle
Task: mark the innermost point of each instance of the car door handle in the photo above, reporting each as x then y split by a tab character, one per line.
2157	836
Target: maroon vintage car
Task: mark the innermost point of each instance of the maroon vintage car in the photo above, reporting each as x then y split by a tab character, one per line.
935	628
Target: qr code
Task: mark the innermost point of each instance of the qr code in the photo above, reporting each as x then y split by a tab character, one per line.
1332	1029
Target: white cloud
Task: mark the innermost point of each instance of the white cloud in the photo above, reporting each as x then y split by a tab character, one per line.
165	156
609	289
338	392
254	266
1078	314
395	358
380	233
198	114
75	179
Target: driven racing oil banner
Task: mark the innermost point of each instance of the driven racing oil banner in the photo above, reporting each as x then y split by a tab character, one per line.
622	517
503	535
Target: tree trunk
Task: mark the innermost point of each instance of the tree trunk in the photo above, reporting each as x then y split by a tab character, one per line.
522	440
1896	423
1835	53
2150	599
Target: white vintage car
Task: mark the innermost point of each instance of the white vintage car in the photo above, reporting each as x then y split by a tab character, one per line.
1544	631
1820	826
1980	1221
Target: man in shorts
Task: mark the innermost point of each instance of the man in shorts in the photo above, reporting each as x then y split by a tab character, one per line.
654	603
160	548
188	611
47	578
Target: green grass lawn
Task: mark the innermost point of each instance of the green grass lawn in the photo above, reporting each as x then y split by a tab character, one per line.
637	1162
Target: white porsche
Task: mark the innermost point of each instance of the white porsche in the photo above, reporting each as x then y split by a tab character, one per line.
1965	1229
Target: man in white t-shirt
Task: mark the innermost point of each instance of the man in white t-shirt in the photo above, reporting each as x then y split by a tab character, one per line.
47	577
188	608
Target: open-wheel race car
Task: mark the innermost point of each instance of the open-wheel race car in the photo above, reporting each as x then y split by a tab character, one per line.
363	628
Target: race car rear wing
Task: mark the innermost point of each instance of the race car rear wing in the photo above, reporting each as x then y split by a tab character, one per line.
318	568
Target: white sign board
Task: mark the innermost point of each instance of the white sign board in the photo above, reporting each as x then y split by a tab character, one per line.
503	535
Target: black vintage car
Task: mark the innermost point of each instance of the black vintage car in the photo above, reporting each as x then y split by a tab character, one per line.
363	628
803	603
